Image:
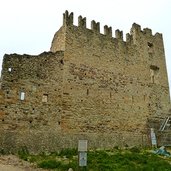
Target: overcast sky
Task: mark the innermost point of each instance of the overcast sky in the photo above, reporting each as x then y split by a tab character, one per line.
28	26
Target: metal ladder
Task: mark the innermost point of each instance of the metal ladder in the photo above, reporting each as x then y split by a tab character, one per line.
164	123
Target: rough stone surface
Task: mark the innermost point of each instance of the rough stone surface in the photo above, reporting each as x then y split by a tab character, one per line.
13	163
89	86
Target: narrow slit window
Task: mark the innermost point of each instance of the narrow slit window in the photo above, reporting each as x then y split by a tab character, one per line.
87	92
154	71
45	98
152	78
22	95
150	45
9	69
150	49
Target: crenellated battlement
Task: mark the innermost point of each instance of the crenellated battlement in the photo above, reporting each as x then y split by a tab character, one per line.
128	38
95	26
82	22
136	28
147	31
108	31
119	34
68	18
135	32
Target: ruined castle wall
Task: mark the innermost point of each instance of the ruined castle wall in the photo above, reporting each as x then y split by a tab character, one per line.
151	50
58	42
108	85
100	88
32	90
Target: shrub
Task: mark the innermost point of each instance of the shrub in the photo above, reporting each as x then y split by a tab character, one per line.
49	164
135	150
23	153
68	153
2	151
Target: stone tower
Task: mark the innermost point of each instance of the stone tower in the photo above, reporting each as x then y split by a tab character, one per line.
89	86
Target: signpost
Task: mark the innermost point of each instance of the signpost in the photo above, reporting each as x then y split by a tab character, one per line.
82	159
153	138
82	153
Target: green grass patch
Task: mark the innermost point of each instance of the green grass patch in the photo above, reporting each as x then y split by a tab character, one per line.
23	153
49	164
110	160
68	153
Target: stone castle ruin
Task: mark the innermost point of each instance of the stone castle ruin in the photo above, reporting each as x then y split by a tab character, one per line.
88	86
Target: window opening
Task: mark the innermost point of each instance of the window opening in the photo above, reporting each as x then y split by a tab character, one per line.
9	69
45	98
62	62
87	91
152	78
154	70
22	95
150	44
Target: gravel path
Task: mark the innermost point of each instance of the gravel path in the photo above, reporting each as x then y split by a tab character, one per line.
10	168
13	163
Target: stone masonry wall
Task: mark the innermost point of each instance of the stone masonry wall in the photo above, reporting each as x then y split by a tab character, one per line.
38	80
112	86
90	86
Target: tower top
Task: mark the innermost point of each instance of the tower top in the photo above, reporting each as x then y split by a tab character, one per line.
68	19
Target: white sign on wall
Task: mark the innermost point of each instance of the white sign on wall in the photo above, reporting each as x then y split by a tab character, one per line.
153	138
82	152
82	145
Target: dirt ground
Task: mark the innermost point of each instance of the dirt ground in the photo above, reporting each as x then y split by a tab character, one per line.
13	163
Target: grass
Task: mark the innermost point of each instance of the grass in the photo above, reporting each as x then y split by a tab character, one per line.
100	160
